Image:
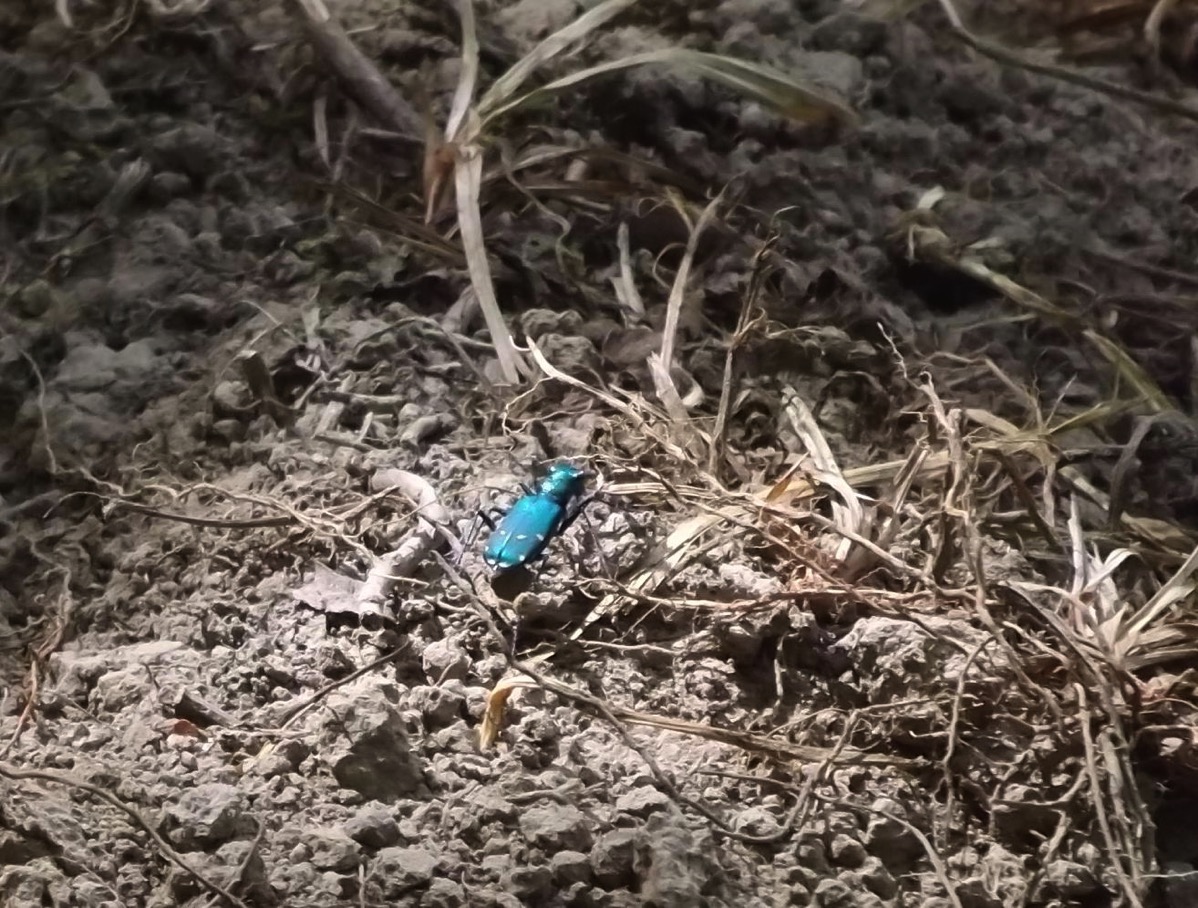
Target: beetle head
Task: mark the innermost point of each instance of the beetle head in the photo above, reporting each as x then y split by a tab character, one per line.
563	481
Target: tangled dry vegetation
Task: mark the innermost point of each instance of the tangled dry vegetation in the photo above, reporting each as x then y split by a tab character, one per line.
859	471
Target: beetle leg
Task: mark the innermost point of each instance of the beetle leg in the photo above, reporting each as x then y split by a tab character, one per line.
491	516
604	565
574	513
487	516
578	510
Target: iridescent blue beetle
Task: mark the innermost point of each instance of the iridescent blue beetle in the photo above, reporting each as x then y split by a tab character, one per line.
543	512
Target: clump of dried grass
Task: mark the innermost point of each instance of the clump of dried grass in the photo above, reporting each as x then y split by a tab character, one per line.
472	125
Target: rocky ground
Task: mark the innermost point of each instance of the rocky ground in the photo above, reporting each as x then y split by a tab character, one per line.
193	715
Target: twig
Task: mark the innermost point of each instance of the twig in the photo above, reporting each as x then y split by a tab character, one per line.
41	411
946	763
40	655
11	772
304	705
743	323
933	856
361	78
247	523
618	717
1000	54
1114	853
245	862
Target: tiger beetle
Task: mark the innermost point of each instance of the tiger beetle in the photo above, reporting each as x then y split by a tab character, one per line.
544	511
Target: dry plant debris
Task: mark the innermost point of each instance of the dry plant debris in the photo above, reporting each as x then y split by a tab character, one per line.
887	600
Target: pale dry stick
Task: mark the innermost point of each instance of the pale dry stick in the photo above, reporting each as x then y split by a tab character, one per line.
456	341
974	549
618	716
806	798
1000	54
11	772
216	522
748	605
320	126
953	724
894	563
606	711
778	750
402	560
331	415
1116	783
343	154
638	421
326	526
1122	759
1118	482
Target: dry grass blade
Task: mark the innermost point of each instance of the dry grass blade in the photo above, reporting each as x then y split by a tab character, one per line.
615	403
1174	591
678	289
468	181
497	699
1007	57
861	560
625	285
660	365
510	82
774	748
1152	25
681	425
1130	371
849	514
1100	620
929	243
771	87
467	77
